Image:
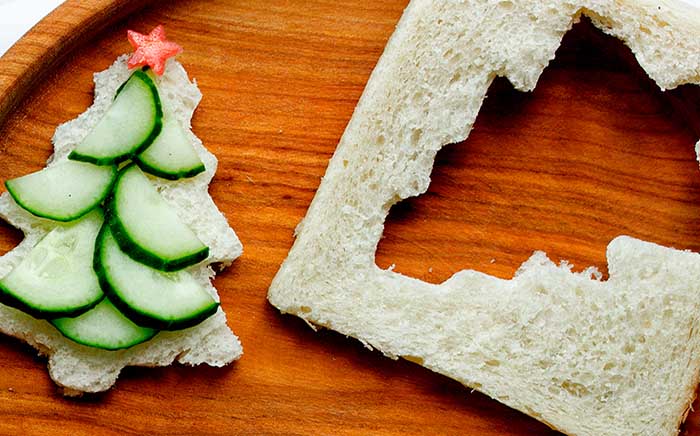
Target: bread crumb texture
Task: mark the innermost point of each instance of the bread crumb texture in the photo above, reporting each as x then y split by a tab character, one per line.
586	356
77	368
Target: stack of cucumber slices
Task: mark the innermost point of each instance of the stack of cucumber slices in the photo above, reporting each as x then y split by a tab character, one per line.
111	273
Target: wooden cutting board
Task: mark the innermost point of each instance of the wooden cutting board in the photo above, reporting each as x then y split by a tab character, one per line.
596	151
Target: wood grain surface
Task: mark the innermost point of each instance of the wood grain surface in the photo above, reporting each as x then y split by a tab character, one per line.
51	40
596	151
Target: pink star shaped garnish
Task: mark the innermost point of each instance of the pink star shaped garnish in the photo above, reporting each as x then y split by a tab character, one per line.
152	49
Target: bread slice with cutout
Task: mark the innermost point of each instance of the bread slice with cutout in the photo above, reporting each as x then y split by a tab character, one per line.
585	356
77	368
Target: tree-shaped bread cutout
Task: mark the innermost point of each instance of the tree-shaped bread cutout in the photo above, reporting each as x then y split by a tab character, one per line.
114	269
585	356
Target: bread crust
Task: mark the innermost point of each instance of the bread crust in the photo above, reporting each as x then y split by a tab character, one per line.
424	93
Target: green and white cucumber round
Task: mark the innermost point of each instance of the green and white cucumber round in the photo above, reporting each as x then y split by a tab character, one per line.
171	156
63	192
149	297
103	327
130	124
147	228
56	278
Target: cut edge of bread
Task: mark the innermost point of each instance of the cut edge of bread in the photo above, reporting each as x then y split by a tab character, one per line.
79	369
630	369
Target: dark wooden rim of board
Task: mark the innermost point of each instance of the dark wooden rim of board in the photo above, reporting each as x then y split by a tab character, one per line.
51	40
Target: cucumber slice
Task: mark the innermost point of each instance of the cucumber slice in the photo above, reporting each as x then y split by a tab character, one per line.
147	228
57	278
171	156
63	192
149	297
129	126
103	327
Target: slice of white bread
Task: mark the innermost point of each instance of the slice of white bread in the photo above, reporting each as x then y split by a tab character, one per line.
585	356
78	368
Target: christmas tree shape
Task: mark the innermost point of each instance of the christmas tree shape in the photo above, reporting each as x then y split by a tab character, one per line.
583	355
79	368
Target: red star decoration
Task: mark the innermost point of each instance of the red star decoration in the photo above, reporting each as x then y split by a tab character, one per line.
152	49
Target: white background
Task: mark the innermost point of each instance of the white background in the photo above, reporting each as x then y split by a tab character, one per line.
18	16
